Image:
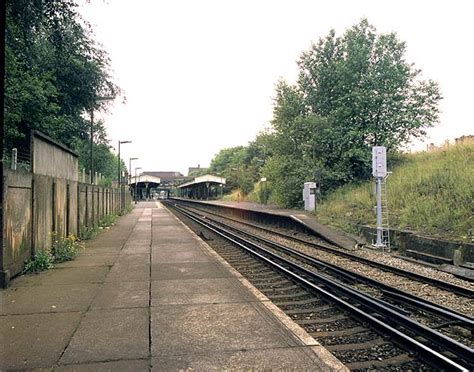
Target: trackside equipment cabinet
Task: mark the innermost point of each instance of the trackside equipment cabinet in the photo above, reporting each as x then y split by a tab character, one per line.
309	196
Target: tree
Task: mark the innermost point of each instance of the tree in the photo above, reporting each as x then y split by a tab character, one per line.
54	72
353	92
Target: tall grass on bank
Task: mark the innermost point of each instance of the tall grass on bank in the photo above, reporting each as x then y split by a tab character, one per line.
429	192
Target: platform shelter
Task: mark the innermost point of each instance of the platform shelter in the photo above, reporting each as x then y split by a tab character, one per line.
203	187
144	186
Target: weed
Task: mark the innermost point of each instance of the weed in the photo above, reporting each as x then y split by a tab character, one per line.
65	248
108	220
42	260
88	232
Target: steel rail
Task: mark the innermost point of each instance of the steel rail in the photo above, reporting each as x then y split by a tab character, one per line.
466	292
390	291
430	355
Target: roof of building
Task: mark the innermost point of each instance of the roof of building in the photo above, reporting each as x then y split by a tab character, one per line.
165	176
203	179
142	178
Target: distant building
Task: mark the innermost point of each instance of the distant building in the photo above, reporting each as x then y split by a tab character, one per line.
167	178
196	171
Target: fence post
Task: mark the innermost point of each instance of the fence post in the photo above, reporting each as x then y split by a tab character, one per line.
14	159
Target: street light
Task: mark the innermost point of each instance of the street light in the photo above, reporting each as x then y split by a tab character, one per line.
97	100
120	174
130	169
136	184
119	165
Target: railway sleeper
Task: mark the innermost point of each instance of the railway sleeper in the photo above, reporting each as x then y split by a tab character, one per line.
376	364
338	333
359	346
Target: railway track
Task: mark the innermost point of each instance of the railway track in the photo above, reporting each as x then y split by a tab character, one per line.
461	291
350	323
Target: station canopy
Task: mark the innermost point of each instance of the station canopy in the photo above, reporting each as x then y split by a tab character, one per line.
144	178
208	178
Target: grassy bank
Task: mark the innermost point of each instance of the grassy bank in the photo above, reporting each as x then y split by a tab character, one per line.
428	192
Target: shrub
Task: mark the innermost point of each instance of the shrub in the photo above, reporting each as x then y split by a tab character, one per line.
42	260
65	248
88	232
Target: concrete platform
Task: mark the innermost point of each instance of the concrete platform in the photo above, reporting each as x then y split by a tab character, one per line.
149	295
303	218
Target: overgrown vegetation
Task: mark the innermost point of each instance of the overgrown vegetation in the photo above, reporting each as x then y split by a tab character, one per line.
55	71
65	248
428	192
88	232
42	260
354	91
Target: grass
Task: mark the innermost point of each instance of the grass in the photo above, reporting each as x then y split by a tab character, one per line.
429	192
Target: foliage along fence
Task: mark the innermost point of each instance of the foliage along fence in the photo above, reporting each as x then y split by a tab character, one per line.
37	205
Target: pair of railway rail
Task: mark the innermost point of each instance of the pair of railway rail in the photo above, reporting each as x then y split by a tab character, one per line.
336	285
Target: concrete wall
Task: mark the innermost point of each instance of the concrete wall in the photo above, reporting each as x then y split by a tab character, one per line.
17	241
51	158
427	249
37	205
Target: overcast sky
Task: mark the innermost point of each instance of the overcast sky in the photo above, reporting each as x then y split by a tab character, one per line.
199	76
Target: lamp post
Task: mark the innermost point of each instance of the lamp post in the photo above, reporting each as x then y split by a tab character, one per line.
130	170
136	185
119	168
119	179
91	160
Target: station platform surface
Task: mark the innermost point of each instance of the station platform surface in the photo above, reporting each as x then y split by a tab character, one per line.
337	237
149	295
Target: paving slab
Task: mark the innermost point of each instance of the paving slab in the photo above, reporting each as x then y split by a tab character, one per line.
35	340
119	366
128	273
134	259
198	291
140	249
91	260
122	295
48	299
187	270
251	360
176	255
106	335
183	329
71	275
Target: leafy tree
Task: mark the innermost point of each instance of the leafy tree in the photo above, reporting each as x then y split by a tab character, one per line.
353	92
54	72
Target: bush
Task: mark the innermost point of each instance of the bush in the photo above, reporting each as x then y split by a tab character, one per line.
42	260
88	232
65	248
108	220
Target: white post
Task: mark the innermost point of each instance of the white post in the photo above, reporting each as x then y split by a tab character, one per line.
379	171
378	192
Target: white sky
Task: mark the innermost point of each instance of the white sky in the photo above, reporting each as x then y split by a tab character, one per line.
199	76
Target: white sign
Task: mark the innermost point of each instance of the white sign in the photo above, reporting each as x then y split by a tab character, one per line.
263	179
379	161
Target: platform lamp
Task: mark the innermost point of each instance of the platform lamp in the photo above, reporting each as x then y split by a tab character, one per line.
119	179
136	184
130	170
91	159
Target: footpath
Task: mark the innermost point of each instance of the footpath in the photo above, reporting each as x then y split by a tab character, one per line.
148	295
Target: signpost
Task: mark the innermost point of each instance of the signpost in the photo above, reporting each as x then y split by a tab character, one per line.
379	171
